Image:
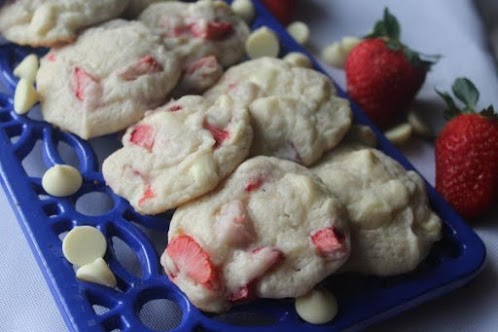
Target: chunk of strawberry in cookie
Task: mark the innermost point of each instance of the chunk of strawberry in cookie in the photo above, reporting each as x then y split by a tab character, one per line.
146	65
242	294
219	134
233	225
253	184
200	74
261	260
143	135
211	30
329	243
252	265
83	85
148	194
190	260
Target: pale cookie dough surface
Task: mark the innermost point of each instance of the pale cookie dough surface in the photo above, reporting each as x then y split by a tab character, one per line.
272	230
179	152
53	22
196	30
106	80
295	112
392	224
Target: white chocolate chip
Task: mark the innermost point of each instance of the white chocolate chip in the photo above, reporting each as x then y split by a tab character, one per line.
348	42
204	170
336	53
299	31
61	180
83	245
262	42
332	54
97	272
27	68
418	125
25	96
298	59
44	19
317	307
244	9
400	134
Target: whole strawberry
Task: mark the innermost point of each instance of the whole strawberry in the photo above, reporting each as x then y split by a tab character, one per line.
467	153
383	75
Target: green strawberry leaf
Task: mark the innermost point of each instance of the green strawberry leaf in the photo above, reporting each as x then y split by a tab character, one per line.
387	27
391	25
467	93
451	110
489	112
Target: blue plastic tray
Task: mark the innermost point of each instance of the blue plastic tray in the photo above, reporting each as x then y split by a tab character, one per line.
454	260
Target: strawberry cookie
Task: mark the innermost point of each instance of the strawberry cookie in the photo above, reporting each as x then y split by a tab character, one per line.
295	112
271	231
392	225
105	81
199	29
178	152
53	22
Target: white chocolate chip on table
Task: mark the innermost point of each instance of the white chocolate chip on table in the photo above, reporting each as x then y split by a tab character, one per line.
97	272
298	59
27	68
244	9
83	245
418	125
399	134
317	307
299	31
25	96
61	180
336	53
262	42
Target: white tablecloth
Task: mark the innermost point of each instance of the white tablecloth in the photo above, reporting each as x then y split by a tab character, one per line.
451	28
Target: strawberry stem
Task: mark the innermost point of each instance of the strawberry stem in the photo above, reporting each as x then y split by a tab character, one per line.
389	29
466	92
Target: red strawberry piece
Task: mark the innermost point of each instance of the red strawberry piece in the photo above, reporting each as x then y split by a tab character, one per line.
148	194
262	260
212	30
233	226
204	64
192	260
253	184
146	65
383	75
143	135
51	56
329	243
82	83
218	134
244	293
174	108
467	154
283	10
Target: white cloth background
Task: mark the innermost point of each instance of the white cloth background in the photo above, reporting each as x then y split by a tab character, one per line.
451	28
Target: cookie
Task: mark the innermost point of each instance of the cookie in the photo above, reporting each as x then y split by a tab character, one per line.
53	22
199	29
178	152
295	112
392	224
272	230
106	81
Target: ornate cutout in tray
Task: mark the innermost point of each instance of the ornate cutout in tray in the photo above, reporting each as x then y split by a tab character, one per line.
145	300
